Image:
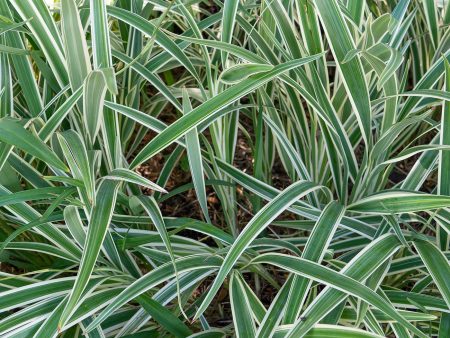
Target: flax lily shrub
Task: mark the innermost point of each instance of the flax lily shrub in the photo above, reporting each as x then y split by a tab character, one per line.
334	223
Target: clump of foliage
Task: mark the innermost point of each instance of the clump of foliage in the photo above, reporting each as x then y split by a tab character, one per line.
335	223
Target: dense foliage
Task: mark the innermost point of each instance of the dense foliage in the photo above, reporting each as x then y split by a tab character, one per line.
214	168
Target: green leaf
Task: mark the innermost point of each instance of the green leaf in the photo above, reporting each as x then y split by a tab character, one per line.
444	156
329	331
230	8
242	71
359	268
395	202
102	57
155	277
94	91
76	155
59	115
241	309
318	242
148	28
336	280
352	71
75	46
46	34
258	223
199	114
127	175
96	232
13	133
74	224
437	265
195	160
164	317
